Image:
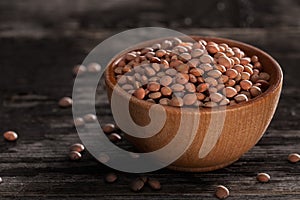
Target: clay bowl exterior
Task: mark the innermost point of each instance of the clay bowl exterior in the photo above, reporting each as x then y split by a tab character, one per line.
244	124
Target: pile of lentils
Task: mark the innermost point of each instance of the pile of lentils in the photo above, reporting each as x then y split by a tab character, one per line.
199	73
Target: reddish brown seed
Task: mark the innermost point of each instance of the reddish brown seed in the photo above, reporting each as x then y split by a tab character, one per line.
246	84
197	53
114	137
160	53
263	177
78	122
240	98
255	91
211	81
245	60
197	72
221	68
254	59
229	92
206	59
183	68
192	78
212	49
139	93
176	101
177	87
90	118
93	67
74	155
214	73
225	61
248	69
222	192
166	91
230	83
245	76
202	87
77	147
210	104
153	86
294	157
239	68
185	56
264	76
164	101
146	50
200	96
137	185
130	56
182	78
224	102
189	99
231	73
10	136
108	128
171	72
190	87
175	63
65	102
216	97
154	95
154	184
79	69
149	71
223	79
264	84
111	177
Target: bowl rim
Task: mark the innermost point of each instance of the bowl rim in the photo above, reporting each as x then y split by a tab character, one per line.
111	81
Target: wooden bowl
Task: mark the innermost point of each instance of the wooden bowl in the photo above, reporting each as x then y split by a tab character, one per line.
244	124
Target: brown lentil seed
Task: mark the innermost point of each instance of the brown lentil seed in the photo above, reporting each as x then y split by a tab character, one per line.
108	128
177	87
197	72
294	157
263	177
211	81
210	104
197	53
216	97
127	87
65	102
240	98
200	96
248	69
93	67
154	184
78	122
77	147
222	192
245	60
230	83
214	73
90	118
192	78
154	95
202	87
137	185
156	67
171	72
189	99
182	78
254	59
10	136
225	61
206	59
111	177
264	76
164	101
149	71
255	91
212	48
245	75
183	68
185	56
246	84
231	73
175	63
176	101
166	91
224	102
153	86
160	53
139	93
74	155
239	68
264	84
229	92
223	79
130	56
237	88
190	87
221	68
114	137
79	69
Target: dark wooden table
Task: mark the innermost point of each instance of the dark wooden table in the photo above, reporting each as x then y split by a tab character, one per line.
35	72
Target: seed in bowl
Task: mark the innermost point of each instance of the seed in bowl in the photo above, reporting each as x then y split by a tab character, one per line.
199	73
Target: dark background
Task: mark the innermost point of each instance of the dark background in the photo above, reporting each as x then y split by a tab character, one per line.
40	42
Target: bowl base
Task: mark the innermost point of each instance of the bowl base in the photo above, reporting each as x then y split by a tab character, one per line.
200	169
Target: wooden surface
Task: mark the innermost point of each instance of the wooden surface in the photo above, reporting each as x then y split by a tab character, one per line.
36	63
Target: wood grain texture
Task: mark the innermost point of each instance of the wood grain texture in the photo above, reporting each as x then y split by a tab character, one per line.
38	50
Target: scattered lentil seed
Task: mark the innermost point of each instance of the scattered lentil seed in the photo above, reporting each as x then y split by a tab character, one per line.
222	192
78	122
294	157
90	118
10	136
263	177
111	177
93	67
79	70
65	102
154	184
77	147
137	185
74	155
108	128
114	137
